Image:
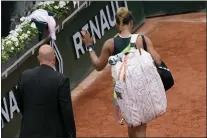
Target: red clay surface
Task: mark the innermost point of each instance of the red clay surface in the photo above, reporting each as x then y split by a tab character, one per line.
182	45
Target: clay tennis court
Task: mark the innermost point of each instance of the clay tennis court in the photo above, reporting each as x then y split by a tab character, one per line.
181	42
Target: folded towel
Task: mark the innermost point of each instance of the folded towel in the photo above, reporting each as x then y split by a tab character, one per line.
42	15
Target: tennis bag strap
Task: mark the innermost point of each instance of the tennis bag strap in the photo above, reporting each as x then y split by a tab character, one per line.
144	43
164	72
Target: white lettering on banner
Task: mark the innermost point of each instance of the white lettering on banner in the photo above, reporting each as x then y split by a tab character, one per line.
2	123
8	115
78	46
95	29
105	23
13	107
5	112
117	5
125	4
112	23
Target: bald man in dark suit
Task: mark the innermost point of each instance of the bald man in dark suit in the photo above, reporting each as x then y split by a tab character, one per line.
43	96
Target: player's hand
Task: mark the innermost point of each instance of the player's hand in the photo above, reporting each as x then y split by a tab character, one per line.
86	38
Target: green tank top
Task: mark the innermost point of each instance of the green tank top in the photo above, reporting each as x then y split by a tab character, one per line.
120	44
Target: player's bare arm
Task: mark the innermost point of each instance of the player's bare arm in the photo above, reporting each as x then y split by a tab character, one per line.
98	62
150	48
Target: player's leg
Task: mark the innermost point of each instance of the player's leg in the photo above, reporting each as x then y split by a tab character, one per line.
139	131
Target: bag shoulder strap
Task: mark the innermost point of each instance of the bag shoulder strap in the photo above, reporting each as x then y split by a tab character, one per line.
133	38
132	42
144	43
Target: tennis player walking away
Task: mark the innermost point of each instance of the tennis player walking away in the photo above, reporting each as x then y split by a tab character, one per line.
113	46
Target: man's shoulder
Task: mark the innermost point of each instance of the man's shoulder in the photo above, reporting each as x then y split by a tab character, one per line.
28	71
53	73
62	76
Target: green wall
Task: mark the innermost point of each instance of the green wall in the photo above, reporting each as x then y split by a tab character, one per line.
157	8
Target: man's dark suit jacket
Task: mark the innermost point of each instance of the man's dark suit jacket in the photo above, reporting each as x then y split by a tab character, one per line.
44	99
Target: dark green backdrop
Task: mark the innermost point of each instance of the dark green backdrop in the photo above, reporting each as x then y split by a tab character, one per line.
155	8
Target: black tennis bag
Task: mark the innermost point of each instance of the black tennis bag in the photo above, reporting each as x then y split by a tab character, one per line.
165	74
